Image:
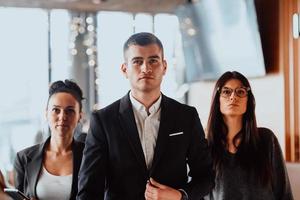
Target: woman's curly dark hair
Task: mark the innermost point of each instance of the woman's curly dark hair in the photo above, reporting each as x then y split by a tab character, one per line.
68	86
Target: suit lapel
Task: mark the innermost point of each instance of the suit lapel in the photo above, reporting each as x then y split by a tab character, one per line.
34	167
166	121
77	149
128	124
36	163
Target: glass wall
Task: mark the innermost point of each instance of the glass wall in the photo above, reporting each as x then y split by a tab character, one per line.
113	30
27	53
36	49
23	80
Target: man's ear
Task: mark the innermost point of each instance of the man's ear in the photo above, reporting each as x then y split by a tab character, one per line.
165	65
124	69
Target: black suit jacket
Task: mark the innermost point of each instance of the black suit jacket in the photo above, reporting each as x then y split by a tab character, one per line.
114	166
29	162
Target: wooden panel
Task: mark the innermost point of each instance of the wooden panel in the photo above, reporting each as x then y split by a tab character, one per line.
296	64
289	61
285	50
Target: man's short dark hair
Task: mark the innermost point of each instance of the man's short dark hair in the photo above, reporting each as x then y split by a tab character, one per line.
142	39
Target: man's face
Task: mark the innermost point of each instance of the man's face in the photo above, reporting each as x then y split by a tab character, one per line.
144	67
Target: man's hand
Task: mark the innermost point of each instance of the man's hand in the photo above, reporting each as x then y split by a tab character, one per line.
157	191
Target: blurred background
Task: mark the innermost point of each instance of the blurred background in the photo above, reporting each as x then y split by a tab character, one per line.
42	41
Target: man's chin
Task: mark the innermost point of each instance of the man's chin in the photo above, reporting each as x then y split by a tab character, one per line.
146	89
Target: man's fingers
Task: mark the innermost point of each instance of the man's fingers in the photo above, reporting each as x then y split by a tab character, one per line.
157	184
151	188
151	192
148	195
148	187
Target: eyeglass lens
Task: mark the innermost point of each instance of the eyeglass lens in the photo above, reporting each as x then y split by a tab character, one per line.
240	92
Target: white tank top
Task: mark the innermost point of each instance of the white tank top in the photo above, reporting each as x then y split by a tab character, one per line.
51	187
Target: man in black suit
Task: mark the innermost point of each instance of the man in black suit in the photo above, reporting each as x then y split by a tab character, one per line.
139	146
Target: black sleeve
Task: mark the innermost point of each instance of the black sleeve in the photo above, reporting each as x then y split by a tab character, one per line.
19	173
91	180
281	185
199	161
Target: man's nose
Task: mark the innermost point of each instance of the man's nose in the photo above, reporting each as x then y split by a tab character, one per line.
146	68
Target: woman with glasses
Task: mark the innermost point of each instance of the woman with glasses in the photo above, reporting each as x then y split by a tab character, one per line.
248	160
49	171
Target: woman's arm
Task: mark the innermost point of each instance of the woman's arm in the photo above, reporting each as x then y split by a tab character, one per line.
281	183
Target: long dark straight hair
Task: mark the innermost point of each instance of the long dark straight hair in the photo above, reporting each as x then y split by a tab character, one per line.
250	154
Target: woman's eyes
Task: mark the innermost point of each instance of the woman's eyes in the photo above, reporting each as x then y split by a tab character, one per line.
56	110
67	111
227	91
70	111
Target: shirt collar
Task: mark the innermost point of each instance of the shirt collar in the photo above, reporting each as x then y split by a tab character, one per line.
140	107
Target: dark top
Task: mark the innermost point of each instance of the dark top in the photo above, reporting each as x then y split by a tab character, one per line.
29	162
114	166
236	184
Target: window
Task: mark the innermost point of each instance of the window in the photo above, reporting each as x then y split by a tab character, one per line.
23	79
114	28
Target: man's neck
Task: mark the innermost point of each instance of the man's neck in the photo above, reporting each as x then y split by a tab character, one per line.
147	99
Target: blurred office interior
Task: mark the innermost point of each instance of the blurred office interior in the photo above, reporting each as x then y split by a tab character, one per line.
46	40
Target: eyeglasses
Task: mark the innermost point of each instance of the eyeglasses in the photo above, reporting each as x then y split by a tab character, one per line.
240	91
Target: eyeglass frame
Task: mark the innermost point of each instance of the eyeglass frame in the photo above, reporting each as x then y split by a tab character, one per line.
234	90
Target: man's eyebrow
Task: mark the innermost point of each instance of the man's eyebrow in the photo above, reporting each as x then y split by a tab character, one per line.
57	106
155	56
137	58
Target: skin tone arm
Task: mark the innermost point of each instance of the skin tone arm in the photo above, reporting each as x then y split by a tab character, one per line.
157	191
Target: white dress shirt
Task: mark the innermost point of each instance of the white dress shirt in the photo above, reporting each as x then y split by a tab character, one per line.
147	125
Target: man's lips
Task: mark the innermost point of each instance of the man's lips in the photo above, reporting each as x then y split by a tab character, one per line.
146	77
